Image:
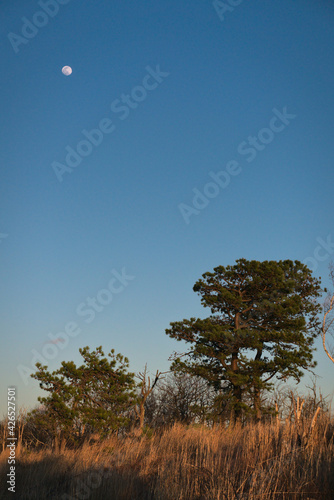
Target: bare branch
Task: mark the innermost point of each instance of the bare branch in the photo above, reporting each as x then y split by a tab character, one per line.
328	322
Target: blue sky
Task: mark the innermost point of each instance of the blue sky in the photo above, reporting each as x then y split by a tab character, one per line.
120	207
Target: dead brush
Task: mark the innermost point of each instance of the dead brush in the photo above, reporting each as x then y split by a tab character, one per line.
254	462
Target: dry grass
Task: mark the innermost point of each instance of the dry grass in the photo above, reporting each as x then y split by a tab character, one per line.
253	462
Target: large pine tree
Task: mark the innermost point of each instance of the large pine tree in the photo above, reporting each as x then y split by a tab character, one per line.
263	325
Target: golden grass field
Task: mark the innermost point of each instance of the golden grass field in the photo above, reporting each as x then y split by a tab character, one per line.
256	461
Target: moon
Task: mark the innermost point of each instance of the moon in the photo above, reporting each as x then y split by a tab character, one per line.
66	70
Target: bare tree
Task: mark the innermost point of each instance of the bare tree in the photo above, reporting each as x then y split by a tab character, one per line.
181	398
328	321
18	430
146	389
21	421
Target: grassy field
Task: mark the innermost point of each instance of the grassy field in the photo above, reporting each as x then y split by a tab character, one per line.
257	461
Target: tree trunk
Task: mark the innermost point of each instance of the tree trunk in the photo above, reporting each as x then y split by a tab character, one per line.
56	443
62	444
237	410
142	416
257	405
237	391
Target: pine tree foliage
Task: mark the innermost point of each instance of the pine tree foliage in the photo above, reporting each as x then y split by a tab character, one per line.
263	323
93	397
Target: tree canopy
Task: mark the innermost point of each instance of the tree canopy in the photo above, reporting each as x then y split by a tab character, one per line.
263	325
93	397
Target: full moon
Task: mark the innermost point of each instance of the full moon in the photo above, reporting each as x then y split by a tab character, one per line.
66	70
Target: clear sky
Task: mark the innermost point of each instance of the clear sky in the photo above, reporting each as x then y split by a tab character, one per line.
179	91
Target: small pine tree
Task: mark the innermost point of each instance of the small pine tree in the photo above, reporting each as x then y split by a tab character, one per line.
94	397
